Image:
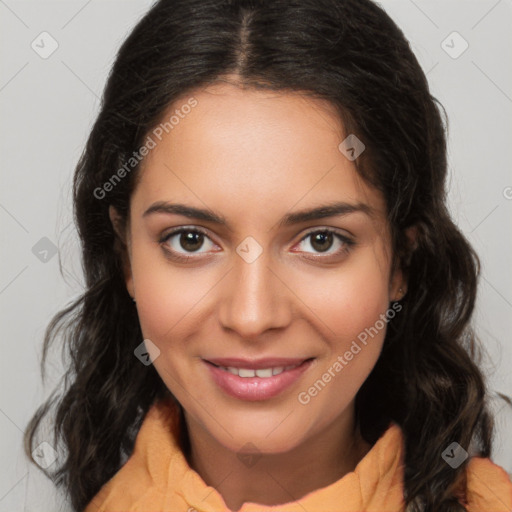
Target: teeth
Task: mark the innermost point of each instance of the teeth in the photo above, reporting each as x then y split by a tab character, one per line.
263	373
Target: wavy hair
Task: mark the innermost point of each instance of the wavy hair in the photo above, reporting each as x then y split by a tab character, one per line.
350	53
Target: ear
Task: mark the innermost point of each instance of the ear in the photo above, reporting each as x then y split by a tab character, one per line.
122	247
398	284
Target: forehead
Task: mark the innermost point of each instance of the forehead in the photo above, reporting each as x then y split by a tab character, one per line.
250	150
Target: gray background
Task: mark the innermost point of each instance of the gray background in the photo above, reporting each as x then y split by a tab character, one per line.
47	107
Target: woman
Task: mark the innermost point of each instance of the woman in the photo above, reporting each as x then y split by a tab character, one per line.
278	303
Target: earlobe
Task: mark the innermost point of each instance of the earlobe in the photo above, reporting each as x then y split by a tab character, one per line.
398	286
401	294
122	249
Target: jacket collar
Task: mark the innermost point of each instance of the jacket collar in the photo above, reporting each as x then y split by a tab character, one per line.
375	483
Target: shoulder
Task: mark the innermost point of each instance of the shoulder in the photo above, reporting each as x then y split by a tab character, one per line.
142	480
488	486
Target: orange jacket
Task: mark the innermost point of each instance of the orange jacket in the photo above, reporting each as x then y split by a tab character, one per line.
157	478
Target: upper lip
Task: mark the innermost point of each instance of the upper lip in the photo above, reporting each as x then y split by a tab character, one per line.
256	364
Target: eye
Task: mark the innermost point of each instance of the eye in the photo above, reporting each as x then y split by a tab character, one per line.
322	240
182	242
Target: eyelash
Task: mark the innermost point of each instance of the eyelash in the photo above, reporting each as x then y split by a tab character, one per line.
347	243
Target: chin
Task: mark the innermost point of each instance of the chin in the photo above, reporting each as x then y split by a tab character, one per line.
267	432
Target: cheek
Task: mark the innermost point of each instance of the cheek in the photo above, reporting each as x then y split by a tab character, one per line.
349	299
168	296
351	355
169	302
350	304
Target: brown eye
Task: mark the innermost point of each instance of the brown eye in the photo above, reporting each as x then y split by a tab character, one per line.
191	240
322	241
183	242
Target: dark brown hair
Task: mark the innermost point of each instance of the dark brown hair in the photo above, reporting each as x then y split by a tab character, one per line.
350	53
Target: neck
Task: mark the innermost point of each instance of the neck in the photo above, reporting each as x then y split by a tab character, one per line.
275	479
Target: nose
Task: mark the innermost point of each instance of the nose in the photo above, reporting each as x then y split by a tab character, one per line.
255	298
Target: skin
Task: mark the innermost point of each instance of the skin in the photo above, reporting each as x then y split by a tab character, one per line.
252	157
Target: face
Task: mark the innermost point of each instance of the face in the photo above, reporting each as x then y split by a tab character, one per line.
267	321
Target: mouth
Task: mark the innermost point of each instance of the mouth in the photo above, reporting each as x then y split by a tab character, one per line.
256	380
261	369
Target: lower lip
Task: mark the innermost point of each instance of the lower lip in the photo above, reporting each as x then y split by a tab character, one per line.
256	388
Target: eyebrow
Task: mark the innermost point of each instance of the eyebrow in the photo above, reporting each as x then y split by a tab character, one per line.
319	212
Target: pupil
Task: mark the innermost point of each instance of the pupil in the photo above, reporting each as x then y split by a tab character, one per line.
192	239
320	239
